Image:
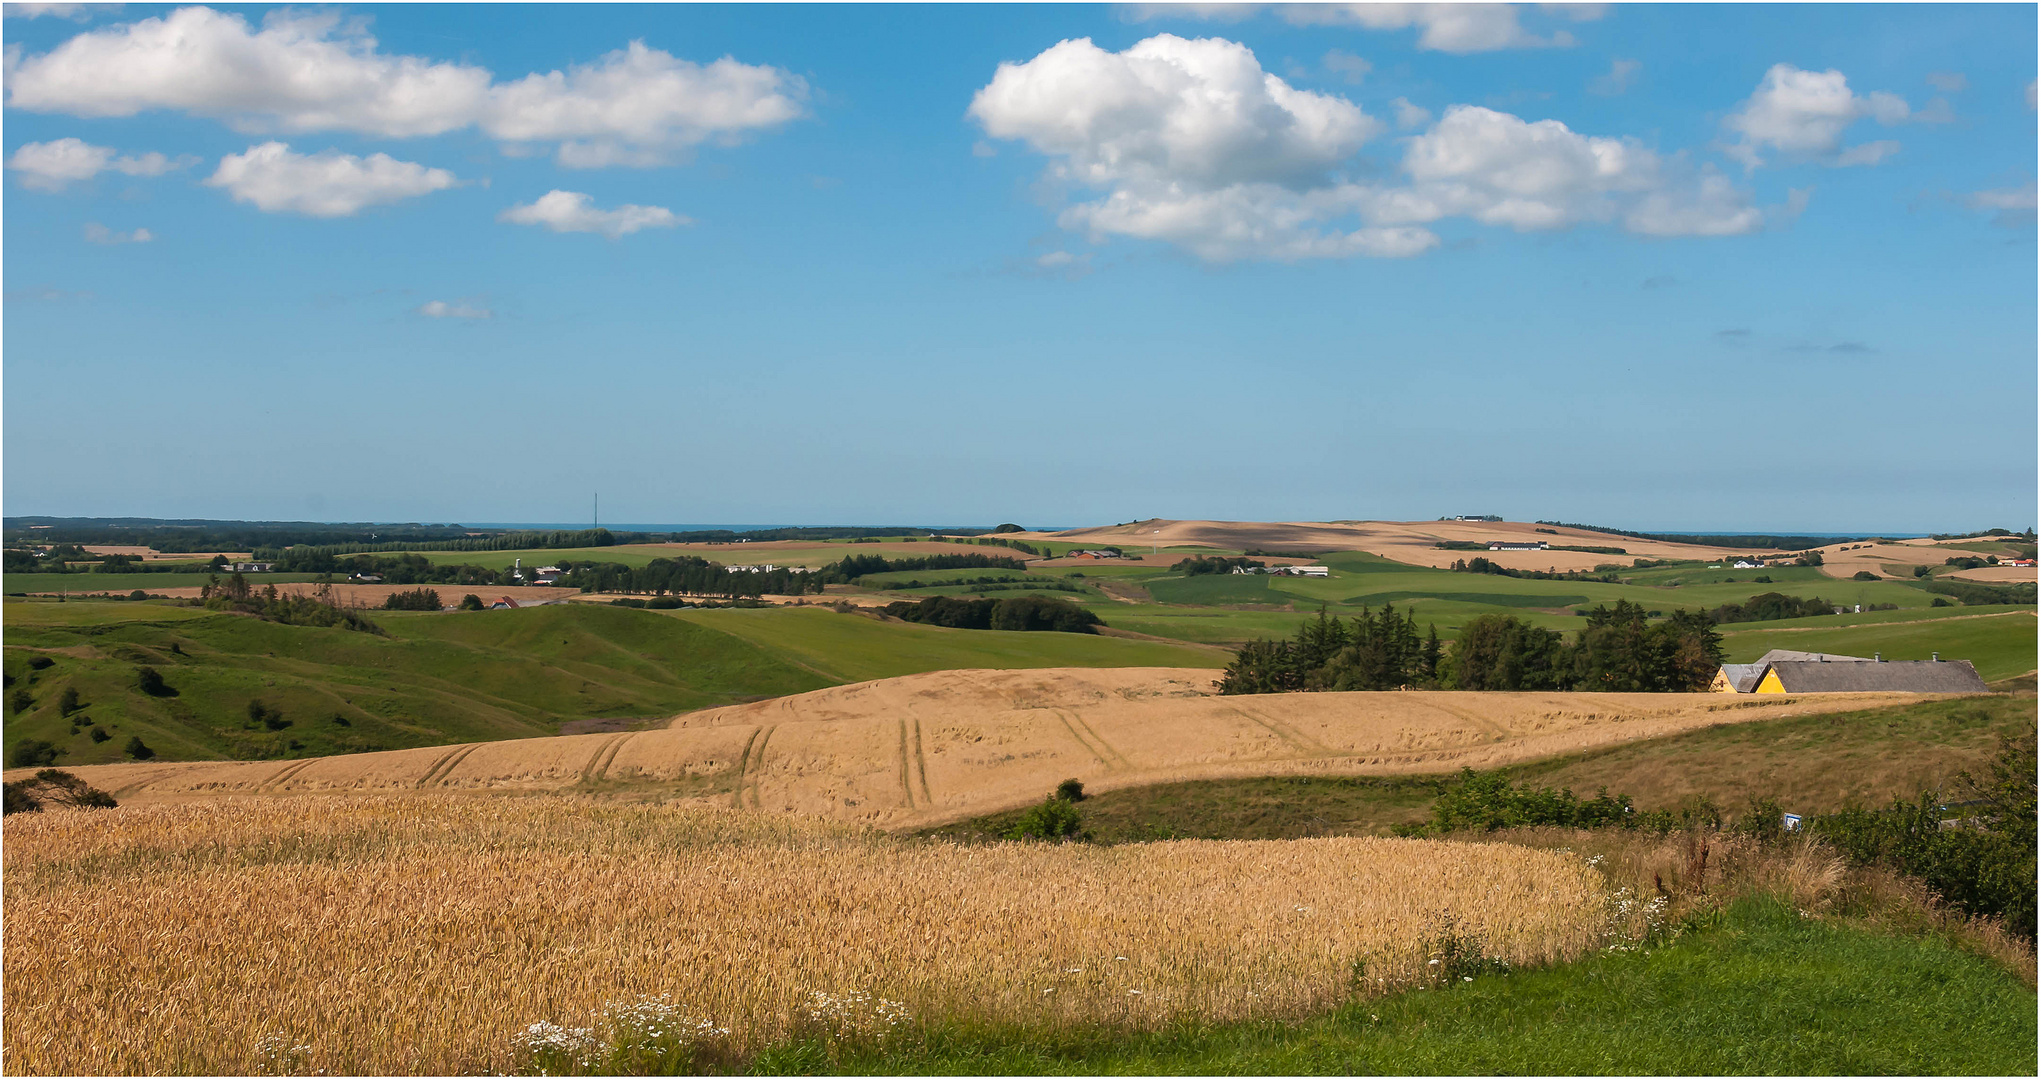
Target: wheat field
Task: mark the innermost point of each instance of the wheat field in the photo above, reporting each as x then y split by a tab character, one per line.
937	747
374	934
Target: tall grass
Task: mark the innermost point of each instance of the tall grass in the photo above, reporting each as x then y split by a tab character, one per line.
428	934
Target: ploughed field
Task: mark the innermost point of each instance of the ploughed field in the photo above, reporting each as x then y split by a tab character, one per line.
935	747
384	935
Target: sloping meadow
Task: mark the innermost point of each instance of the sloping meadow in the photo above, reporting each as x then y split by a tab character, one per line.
361	934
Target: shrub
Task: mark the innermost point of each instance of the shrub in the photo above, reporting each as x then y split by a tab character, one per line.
21	700
1863	575
1070	790
138	595
31	752
1054	819
40	663
58	786
99	734
138	749
19	799
150	682
471	602
413	600
261	713
1940	602
67	702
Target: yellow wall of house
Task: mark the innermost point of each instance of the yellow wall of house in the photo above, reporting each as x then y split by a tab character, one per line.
1771	684
1721	684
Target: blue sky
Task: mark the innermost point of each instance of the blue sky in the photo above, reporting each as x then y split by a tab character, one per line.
1684	267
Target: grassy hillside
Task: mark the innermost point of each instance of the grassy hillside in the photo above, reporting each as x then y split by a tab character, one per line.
853	648
437	678
1813	764
442	678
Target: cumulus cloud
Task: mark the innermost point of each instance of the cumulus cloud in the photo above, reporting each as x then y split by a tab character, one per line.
572	211
440	309
1949	82
51	166
314	72
1192	143
1803	114
328	184
99	234
1454	28
1620	75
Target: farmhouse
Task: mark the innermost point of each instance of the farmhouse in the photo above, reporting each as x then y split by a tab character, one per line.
1096	553
1518	545
1783	671
248	567
502	603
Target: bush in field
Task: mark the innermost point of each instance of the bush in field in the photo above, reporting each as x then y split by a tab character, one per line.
265	715
67	702
21	700
413	600
1490	801
1054	819
138	749
1071	790
471	602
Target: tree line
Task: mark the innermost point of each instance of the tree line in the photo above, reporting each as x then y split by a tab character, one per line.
1010	613
1620	649
852	567
689	575
1200	565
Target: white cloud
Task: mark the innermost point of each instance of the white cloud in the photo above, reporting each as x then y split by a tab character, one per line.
328	184
2013	207
572	211
440	309
1949	82
1410	116
1621	74
1803	114
1454	28
99	234
2030	93
50	166
1870	153
1347	66
76	12
637	104
1193	144
314	72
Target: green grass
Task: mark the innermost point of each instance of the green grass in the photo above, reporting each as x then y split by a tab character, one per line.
853	648
1209	590
125	583
1811	764
437	678
2000	646
1757	989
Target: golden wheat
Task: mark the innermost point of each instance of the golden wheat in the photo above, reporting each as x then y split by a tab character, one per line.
931	748
417	934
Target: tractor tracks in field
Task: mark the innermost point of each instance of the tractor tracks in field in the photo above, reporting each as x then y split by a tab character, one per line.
444	767
281	776
748	767
914	765
1303	744
1089	739
605	754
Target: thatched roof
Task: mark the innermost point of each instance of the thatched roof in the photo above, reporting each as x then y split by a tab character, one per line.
1903	676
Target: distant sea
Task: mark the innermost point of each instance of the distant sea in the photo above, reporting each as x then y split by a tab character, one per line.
626	526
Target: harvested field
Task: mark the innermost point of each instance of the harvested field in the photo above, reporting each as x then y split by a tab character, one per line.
925	749
1411	542
418	936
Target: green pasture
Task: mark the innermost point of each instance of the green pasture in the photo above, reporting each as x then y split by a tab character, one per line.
436	678
126	583
854	647
2000	646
